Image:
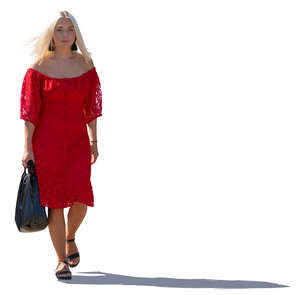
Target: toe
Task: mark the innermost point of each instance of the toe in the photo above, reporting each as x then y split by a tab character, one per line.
73	261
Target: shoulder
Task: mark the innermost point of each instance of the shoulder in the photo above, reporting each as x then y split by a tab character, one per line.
33	75
45	65
91	62
39	66
35	66
87	65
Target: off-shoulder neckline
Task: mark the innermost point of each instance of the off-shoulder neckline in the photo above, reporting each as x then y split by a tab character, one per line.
66	78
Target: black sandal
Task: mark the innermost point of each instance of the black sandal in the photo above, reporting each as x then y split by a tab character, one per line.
74	255
62	272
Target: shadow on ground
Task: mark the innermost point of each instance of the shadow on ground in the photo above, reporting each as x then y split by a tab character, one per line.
102	278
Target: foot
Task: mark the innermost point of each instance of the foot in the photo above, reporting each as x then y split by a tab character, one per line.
71	248
63	267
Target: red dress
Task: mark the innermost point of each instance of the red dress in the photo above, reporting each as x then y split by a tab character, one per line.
60	109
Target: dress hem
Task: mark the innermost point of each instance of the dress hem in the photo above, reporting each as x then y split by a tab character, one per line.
70	204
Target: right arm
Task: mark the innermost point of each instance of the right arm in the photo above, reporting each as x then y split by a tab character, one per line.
30	106
28	153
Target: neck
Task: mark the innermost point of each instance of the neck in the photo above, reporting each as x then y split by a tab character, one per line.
63	53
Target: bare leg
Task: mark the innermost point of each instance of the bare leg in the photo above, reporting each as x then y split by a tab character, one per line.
76	215
57	229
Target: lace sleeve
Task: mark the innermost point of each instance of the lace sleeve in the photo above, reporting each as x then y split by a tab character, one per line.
93	101
30	102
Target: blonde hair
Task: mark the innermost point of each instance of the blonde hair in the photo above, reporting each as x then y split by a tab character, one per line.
42	41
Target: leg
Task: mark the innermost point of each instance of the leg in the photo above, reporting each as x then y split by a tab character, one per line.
56	226
57	229
76	215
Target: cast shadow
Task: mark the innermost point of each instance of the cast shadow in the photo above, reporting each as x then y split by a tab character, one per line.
102	278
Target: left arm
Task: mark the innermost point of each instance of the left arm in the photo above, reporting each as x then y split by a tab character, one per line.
92	129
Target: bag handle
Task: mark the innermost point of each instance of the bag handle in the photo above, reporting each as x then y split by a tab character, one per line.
30	167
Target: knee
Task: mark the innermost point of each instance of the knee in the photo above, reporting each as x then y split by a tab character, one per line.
79	205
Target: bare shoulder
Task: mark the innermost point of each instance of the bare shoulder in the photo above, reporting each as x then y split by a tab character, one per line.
39	66
36	66
47	66
92	63
85	65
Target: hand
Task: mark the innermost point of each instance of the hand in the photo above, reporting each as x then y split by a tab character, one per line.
94	152
27	155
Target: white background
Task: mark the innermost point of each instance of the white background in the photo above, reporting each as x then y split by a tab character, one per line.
198	171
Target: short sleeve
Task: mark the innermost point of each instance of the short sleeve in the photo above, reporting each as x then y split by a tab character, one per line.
93	101
30	102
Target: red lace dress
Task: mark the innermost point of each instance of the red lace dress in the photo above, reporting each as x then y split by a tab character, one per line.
60	109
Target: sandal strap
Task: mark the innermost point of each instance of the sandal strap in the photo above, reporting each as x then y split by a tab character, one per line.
61	272
72	256
71	240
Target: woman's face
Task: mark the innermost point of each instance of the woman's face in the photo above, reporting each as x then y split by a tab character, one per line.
64	33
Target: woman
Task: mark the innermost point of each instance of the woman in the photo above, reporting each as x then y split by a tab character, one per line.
61	95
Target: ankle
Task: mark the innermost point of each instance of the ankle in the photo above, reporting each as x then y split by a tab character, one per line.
59	260
70	236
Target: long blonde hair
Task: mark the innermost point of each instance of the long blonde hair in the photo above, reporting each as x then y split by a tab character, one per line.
41	42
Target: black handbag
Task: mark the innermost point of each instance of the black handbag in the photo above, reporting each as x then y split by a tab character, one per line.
30	216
